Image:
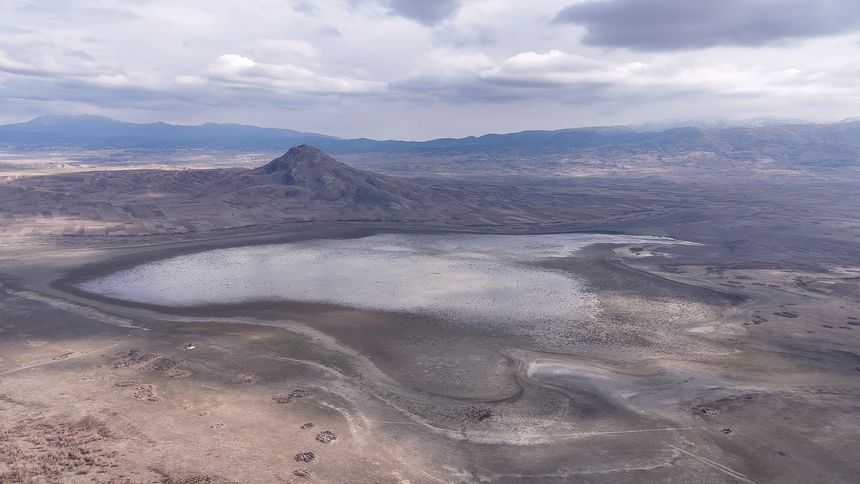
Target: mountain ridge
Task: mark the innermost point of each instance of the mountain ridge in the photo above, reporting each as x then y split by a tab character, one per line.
88	131
826	144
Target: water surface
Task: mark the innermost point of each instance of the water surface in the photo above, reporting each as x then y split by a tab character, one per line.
487	279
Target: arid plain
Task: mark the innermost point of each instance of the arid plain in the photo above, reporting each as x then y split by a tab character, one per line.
730	357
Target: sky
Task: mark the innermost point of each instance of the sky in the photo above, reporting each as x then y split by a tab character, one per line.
420	69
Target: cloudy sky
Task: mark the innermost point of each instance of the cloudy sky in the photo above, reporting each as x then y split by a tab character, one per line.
427	68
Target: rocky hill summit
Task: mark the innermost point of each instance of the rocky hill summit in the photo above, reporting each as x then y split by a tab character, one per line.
303	161
305	175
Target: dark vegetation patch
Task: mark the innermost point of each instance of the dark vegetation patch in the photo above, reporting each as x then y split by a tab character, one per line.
46	449
287	398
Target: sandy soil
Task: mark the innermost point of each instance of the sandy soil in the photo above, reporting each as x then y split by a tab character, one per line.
692	374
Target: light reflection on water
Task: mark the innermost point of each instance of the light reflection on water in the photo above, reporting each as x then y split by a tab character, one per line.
466	278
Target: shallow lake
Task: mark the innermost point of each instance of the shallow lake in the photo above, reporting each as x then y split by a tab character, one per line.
460	277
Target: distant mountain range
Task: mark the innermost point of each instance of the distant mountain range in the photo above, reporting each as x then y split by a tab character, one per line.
102	132
826	144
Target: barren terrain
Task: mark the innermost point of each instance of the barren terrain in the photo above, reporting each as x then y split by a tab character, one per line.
730	360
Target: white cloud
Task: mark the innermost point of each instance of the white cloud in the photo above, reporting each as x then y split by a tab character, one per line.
284	49
111	80
447	63
230	65
288	78
37	65
442	70
75	69
187	80
554	68
557	69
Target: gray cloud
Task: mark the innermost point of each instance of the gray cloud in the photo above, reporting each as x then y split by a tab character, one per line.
329	31
424	68
78	53
72	12
427	12
465	37
685	24
305	7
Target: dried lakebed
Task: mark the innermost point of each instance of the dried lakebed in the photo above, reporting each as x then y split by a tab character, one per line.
459	358
478	279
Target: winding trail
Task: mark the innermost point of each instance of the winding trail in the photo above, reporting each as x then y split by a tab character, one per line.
58	360
716	465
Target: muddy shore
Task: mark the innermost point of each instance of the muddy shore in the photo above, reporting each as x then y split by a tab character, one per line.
689	375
